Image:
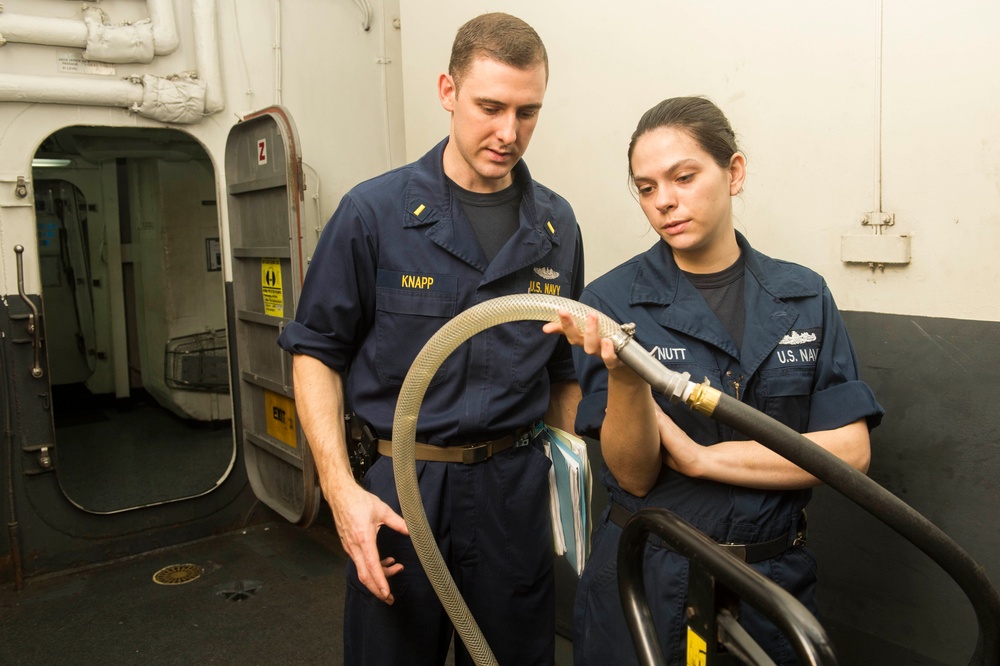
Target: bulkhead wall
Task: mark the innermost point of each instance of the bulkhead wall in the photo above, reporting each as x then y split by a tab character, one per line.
348	111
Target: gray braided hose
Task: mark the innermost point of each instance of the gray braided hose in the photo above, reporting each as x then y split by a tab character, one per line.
474	320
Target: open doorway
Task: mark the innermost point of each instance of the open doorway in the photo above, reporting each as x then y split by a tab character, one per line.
134	316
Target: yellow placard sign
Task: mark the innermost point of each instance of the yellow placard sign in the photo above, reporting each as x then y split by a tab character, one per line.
270	287
280	418
697	649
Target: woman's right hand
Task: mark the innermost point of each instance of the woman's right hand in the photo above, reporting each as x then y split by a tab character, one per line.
629	438
589	339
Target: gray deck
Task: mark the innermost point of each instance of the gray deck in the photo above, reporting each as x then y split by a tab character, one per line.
272	594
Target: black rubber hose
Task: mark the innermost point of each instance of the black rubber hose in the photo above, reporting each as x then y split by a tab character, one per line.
885	506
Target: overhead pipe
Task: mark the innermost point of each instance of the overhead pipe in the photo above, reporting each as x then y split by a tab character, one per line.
165	39
182	99
137	42
206	50
23	29
69	90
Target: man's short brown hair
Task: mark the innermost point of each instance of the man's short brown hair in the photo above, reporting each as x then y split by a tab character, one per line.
500	37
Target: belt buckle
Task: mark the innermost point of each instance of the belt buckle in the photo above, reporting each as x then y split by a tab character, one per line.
476	453
737	550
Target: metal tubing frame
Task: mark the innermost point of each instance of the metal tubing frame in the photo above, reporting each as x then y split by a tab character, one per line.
803	630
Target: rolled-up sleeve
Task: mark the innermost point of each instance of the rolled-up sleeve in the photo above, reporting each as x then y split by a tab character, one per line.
337	302
839	396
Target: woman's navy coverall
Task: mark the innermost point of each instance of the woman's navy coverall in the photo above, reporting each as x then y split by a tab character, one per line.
797	365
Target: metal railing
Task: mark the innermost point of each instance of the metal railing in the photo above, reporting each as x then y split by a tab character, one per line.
711	568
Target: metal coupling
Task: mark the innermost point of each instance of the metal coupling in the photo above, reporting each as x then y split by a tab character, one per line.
623	336
704	399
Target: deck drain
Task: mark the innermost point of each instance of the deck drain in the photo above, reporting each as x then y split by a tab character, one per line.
177	574
239	590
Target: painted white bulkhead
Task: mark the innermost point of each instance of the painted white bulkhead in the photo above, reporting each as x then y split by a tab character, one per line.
314	57
844	109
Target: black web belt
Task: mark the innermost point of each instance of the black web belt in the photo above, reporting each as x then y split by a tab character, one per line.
750	552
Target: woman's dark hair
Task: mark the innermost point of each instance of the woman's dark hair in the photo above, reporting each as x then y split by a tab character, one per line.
697	116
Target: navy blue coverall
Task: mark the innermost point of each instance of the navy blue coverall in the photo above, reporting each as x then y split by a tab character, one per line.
797	365
398	260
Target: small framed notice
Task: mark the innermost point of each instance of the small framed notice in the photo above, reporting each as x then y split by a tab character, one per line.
213	254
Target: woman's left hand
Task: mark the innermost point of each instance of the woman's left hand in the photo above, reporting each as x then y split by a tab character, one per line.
680	452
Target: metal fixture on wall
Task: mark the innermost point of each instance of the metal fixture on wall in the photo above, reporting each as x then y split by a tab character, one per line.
877	248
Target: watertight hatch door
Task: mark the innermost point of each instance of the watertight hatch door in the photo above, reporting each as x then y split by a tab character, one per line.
265	193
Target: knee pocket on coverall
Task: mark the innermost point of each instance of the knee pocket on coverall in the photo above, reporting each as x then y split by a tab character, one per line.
795	572
380	480
601	635
522	495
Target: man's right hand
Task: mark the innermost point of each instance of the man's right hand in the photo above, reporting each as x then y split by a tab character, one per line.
319	400
359	515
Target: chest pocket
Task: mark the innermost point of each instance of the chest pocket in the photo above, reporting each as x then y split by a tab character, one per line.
409	310
787	395
787	378
530	349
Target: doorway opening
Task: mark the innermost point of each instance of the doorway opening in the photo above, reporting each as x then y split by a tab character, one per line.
134	316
